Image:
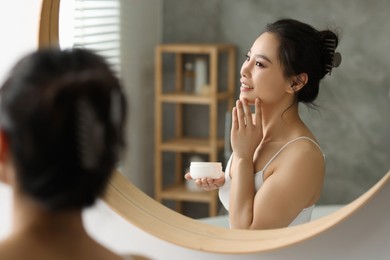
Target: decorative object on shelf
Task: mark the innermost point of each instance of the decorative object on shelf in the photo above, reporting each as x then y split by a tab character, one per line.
189	77
200	75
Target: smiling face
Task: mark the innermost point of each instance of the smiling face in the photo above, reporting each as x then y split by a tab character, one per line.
262	73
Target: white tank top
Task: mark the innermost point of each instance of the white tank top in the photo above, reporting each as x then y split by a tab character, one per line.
224	191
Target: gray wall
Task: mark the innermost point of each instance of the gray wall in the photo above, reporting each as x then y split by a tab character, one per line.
141	27
352	122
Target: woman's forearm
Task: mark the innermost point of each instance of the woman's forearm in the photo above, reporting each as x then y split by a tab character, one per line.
242	194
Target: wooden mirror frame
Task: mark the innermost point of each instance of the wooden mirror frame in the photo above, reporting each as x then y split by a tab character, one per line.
48	24
147	214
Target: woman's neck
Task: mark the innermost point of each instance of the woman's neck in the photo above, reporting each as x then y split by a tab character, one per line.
280	122
31	218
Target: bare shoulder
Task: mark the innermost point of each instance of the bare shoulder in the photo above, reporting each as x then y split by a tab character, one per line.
304	166
306	143
98	252
4	250
294	182
135	257
301	166
10	250
20	248
303	155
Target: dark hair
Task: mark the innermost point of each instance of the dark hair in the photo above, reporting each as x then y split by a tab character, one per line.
304	49
64	115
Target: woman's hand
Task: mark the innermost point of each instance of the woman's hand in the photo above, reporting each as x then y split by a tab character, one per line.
247	131
207	184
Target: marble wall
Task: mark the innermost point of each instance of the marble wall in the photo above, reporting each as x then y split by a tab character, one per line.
352	122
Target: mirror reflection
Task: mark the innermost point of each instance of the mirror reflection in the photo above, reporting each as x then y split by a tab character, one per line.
350	122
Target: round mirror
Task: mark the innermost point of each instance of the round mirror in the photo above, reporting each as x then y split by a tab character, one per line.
144	212
350	122
350	126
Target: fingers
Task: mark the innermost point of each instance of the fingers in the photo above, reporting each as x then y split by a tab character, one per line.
257	111
234	119
208	183
247	112
242	115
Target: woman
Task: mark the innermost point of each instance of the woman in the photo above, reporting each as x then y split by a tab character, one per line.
62	120
275	174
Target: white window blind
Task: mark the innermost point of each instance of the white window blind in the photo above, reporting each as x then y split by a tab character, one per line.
96	26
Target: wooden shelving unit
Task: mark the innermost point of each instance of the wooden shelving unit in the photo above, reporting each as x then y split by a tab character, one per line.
181	144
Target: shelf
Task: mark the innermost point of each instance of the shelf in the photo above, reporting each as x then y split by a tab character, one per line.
180	193
185	98
191	145
217	96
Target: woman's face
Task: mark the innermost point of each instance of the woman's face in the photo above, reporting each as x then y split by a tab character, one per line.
262	73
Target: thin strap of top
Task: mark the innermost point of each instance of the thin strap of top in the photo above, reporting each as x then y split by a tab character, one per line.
284	146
